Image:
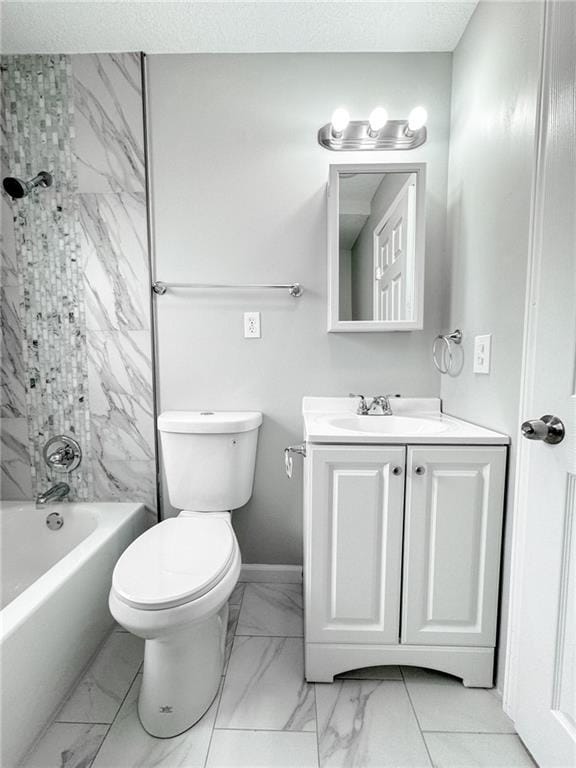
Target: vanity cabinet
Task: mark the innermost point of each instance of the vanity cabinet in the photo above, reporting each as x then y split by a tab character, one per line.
402	553
354	537
453	524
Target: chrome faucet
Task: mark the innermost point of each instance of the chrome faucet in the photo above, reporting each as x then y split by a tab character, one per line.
378	406
363	407
56	493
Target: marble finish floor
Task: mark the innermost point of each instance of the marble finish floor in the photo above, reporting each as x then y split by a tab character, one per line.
267	716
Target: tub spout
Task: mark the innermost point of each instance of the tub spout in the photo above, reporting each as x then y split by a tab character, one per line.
56	493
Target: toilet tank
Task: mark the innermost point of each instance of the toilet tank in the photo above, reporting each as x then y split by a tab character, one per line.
209	458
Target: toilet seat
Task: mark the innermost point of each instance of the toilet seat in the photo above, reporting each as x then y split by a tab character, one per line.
174	563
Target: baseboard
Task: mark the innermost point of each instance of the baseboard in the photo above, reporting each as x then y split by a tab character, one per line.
474	665
280	574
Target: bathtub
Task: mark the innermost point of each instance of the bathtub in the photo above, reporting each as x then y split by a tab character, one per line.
54	615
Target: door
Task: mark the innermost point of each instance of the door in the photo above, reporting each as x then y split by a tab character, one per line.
540	689
454	506
353	515
394	257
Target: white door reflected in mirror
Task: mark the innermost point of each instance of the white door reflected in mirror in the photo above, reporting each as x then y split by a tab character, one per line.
376	247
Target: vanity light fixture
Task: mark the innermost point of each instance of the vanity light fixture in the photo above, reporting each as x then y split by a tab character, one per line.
377	133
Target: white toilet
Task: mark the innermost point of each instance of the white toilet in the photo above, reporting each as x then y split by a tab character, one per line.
171	586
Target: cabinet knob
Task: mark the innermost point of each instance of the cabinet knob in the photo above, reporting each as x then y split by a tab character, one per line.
396	470
420	470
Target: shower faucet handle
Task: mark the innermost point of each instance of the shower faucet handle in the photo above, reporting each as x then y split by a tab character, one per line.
62	453
61	457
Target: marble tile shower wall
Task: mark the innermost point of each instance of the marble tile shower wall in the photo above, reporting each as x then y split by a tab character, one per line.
76	323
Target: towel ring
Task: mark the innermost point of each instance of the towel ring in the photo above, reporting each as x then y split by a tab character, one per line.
444	359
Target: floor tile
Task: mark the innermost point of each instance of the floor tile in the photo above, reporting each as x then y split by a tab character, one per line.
237	594
372	673
98	696
262	749
233	613
129	746
368	724
265	687
271	609
477	750
442	703
67	745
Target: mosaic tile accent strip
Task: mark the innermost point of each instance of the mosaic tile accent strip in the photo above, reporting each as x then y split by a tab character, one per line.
39	121
4	79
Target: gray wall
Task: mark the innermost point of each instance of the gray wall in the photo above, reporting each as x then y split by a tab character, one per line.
495	78
240	195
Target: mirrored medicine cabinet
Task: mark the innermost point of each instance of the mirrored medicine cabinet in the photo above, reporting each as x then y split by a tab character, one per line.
376	247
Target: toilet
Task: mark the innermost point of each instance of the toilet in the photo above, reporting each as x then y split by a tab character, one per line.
172	584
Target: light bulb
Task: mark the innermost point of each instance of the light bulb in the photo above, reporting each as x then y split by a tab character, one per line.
377	120
340	120
417	119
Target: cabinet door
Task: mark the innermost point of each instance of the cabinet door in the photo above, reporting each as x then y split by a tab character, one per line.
353	543
454	504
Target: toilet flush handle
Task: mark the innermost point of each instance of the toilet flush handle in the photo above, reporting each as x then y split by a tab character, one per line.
288	461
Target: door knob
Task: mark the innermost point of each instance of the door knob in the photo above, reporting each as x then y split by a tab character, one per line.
549	429
396	470
420	470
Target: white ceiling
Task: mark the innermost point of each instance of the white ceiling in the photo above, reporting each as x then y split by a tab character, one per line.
232	26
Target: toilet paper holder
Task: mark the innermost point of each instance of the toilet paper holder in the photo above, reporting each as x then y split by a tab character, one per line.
288	460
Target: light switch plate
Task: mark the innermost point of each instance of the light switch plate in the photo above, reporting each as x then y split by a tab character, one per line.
482	349
252	325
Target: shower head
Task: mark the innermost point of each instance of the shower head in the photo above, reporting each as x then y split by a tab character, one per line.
18	188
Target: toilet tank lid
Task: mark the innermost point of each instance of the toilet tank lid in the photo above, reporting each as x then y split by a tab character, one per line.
201	422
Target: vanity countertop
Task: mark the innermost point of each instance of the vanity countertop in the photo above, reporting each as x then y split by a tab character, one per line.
416	421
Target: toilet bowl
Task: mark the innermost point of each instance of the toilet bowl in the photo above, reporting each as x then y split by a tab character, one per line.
172	584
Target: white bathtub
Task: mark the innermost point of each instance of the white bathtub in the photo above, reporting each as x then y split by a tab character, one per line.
55	613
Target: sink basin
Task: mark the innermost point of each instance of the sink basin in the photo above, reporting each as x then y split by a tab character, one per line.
389	425
415	421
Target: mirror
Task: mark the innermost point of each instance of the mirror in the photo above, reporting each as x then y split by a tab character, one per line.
376	247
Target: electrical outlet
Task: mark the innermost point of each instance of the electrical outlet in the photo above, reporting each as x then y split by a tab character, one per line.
252	325
482	348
